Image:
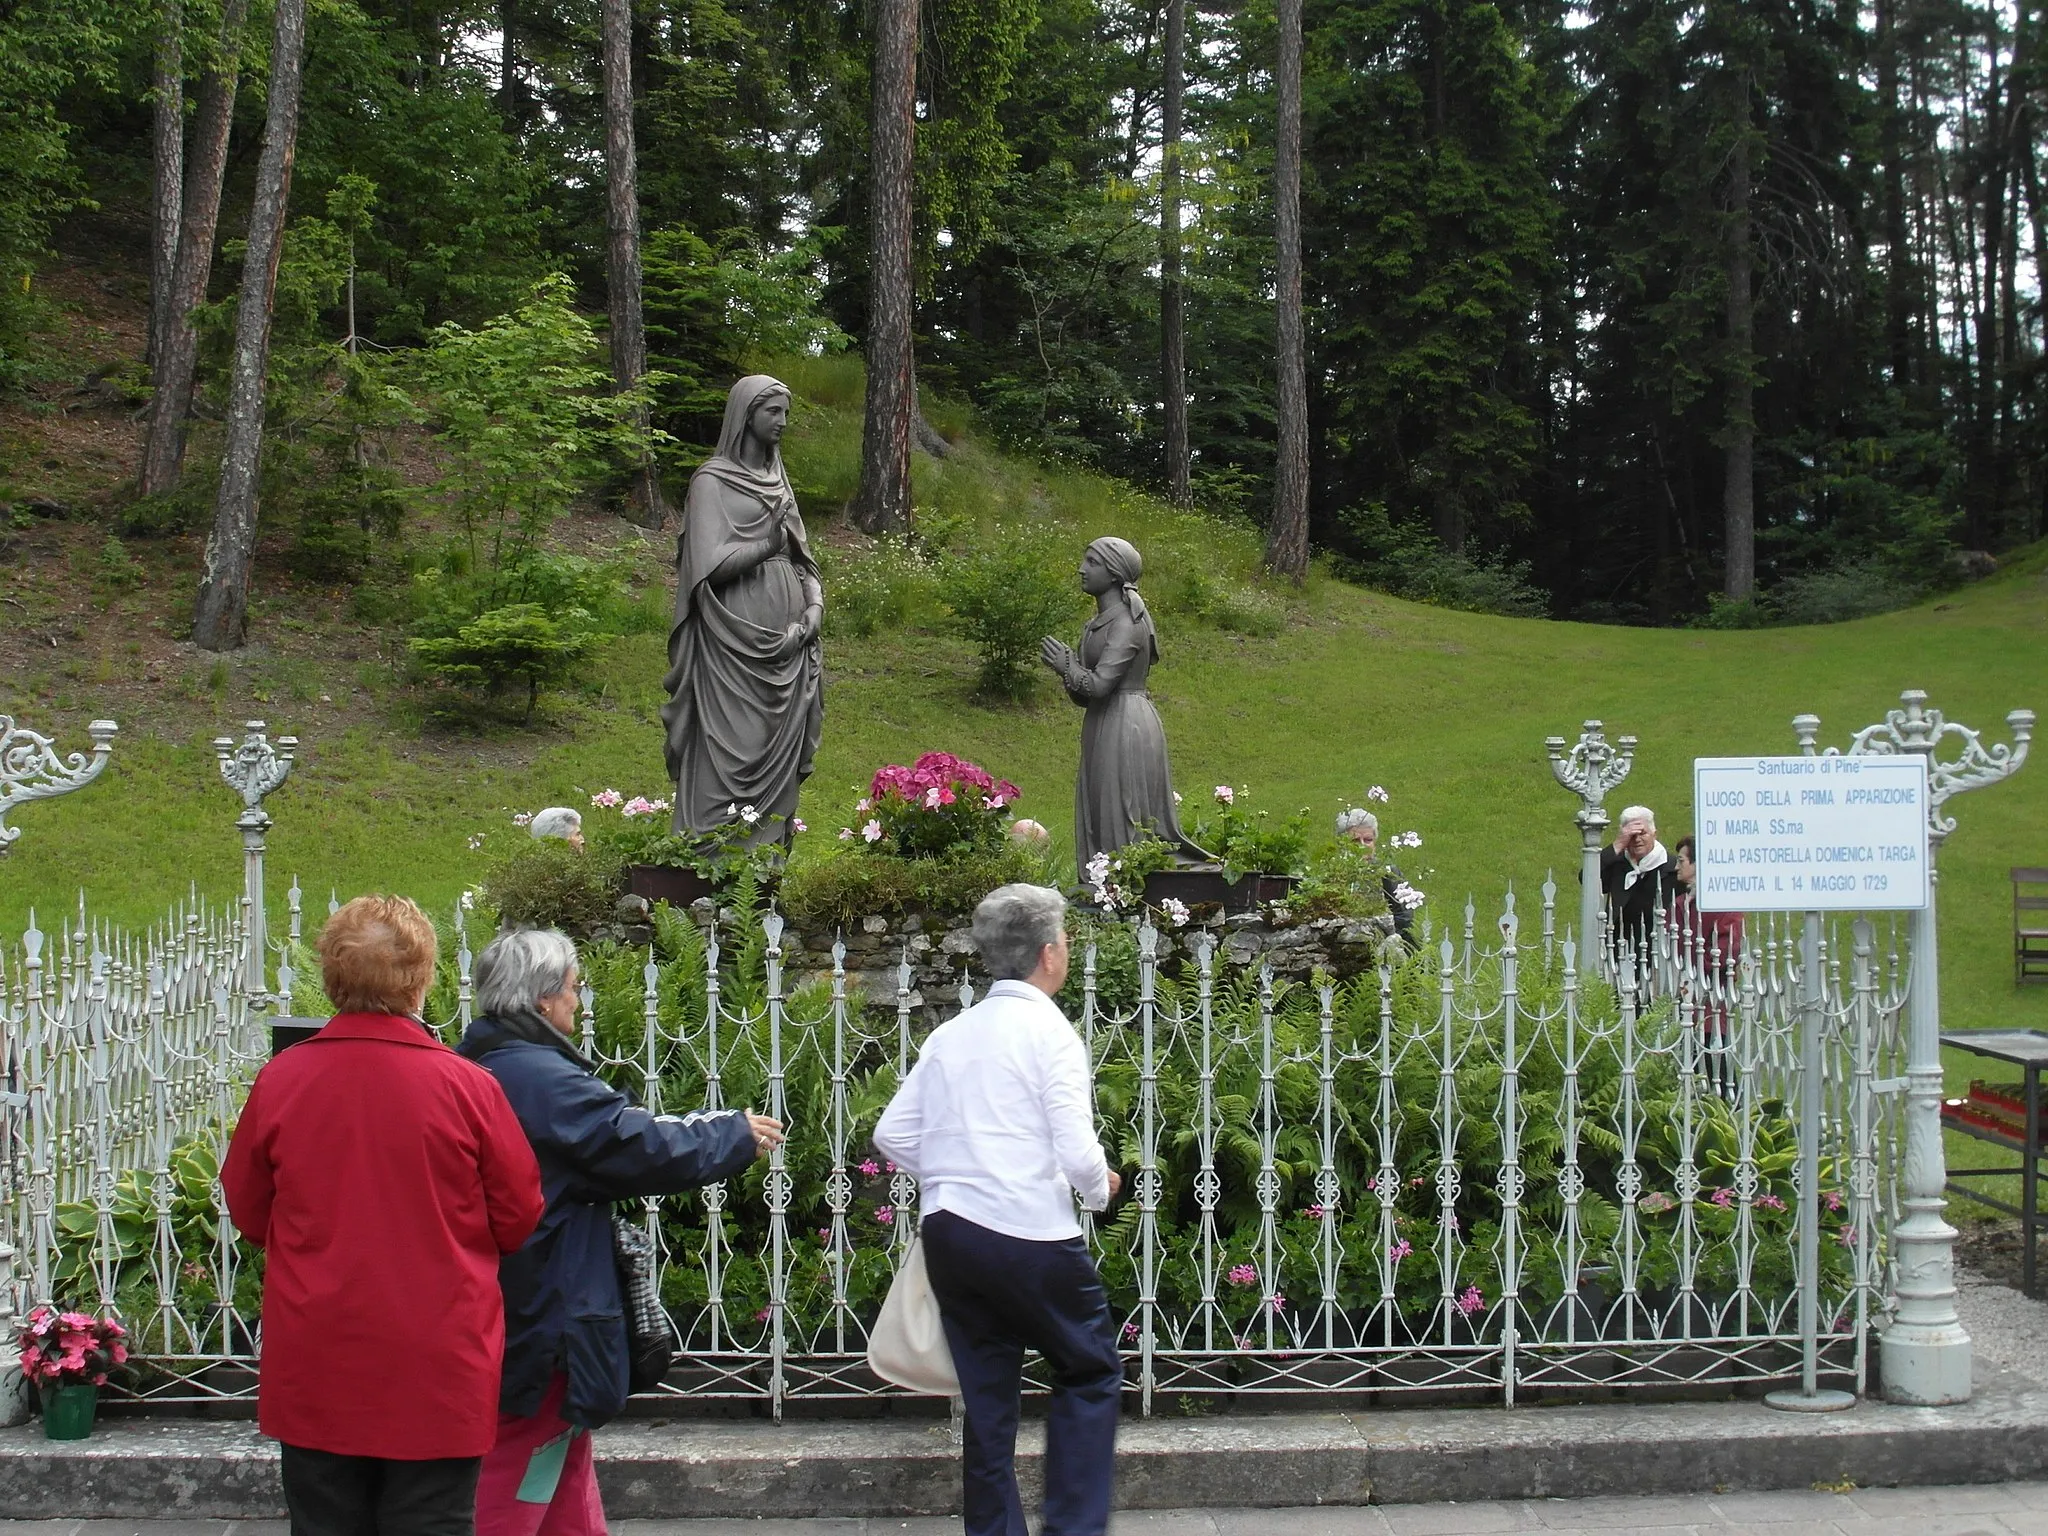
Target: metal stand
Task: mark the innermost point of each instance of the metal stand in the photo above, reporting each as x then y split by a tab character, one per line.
1589	770
1809	1398
253	770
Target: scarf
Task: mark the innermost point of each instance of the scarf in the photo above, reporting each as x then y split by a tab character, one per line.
1656	858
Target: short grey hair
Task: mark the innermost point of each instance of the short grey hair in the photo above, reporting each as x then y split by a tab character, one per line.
556	821
1640	813
519	968
1013	925
1357	817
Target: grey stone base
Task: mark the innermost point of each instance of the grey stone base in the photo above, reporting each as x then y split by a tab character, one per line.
140	1468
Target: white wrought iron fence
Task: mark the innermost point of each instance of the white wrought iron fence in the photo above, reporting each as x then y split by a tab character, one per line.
1479	1170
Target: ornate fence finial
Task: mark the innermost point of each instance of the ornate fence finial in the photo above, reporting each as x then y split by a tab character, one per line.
31	769
1589	769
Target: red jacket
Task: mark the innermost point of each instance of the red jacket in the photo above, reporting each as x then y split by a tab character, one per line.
385	1175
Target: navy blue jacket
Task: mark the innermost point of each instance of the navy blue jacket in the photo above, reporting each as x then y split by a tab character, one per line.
563	1309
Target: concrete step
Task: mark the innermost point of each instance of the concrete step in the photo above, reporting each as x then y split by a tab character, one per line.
654	1469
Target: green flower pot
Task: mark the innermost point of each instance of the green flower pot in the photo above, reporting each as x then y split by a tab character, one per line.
68	1410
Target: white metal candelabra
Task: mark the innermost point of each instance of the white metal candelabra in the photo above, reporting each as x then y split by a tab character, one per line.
1925	1354
32	769
254	769
1589	769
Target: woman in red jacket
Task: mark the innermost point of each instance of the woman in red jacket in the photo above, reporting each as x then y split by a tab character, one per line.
384	1175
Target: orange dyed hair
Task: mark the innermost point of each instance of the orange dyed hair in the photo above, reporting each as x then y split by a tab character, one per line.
377	956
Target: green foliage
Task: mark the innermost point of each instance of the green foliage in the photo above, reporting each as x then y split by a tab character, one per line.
1235	609
893	584
544	883
1252	842
1005	599
1411	564
848	886
519	643
125	1247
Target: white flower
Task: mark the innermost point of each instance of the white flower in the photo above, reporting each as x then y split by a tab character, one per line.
749	815
931	798
872	831
468	901
1098	869
797	824
861	804
1176	911
1176	797
1225	795
521	818
1407	840
476	841
1408	896
1376	793
732	810
846	834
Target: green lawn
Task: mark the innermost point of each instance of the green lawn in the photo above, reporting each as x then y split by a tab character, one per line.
1447	710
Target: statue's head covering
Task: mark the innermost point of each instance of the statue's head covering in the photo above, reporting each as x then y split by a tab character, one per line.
1125	565
770	483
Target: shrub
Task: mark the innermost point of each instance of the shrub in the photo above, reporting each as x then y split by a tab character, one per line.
1229	607
1408	562
1251	842
519	643
941	806
547	884
1006	600
1852	591
857	883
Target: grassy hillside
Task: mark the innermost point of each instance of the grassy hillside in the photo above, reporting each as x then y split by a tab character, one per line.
1447	710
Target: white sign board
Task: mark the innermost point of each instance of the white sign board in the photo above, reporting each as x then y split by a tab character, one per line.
1810	834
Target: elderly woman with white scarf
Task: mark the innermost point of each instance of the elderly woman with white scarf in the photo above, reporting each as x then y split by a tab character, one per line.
1638	878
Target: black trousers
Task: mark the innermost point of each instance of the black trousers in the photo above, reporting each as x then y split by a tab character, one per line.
998	1296
330	1495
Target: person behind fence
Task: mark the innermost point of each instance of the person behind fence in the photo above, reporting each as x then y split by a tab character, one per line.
1363	828
559	821
997	1121
566	1339
1637	877
384	1176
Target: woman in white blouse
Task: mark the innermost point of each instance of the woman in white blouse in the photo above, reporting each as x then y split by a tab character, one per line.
997	1122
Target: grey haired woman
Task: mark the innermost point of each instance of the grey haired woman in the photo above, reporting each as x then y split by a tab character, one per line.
1124	786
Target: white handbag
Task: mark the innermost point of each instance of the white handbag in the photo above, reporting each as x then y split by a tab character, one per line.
908	1344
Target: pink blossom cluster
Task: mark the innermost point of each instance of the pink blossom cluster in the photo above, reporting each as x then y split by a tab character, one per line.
1243	1274
70	1347
1400	1250
1470	1300
940	778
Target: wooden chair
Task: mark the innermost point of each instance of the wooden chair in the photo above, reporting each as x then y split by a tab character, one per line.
2029	924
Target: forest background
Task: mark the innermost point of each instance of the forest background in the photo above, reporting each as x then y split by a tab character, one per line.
1647	312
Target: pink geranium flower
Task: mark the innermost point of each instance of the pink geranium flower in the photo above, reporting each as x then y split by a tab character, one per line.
1243	1274
1470	1300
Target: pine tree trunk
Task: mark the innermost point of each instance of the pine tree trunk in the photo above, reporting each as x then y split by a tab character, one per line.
163	454
222	617
1898	278
1173	355
883	503
508	66
645	503
1287	538
1738	487
167	135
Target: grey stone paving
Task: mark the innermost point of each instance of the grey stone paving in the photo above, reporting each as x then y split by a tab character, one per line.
1994	1509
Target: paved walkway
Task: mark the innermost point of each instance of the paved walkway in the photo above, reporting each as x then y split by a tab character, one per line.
1998	1509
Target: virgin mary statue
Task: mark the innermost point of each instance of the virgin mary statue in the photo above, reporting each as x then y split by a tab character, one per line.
745	677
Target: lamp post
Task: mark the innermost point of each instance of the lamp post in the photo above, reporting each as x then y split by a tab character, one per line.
1589	769
1925	1354
253	769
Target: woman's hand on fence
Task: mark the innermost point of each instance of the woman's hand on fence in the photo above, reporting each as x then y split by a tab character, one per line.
767	1133
1116	1182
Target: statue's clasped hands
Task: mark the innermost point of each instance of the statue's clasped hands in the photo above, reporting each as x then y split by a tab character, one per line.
1056	654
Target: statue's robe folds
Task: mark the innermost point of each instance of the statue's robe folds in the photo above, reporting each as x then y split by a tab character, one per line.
742	720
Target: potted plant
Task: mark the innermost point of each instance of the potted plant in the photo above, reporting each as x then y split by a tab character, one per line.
68	1355
677	867
1262	859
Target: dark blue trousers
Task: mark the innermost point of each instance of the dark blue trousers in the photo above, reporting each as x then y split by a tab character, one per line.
999	1296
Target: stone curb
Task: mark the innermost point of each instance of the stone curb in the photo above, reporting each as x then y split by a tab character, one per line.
143	1468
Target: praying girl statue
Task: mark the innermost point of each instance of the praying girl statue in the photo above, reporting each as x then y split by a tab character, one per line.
1124	787
745	677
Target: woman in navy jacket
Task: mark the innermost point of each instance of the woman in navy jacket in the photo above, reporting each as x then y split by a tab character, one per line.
566	1351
